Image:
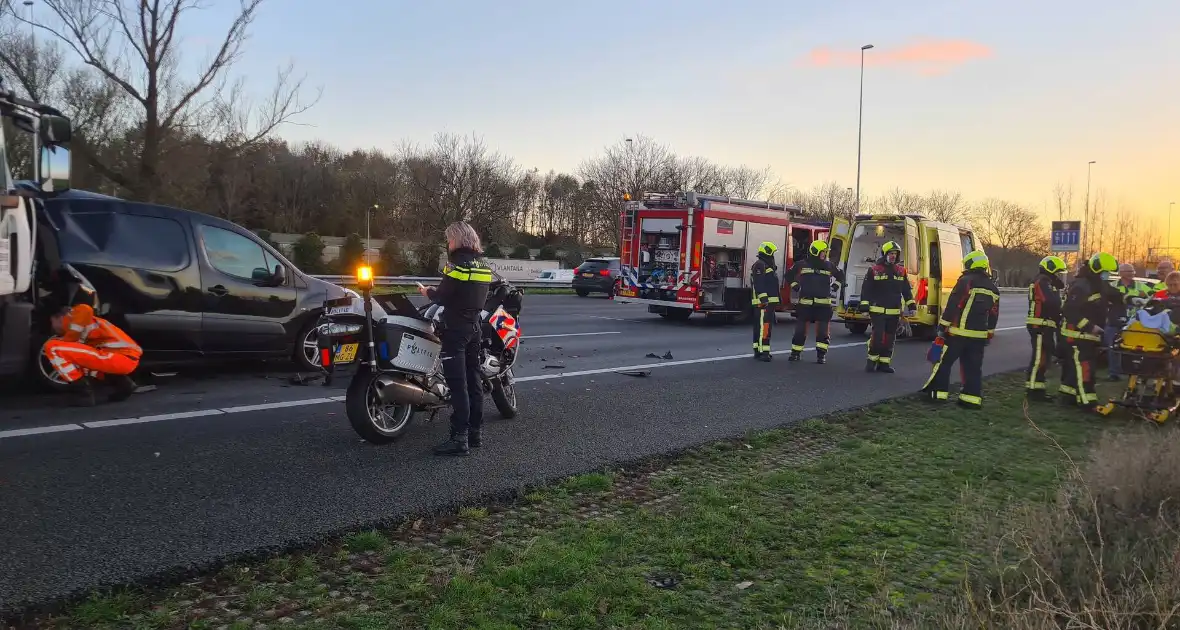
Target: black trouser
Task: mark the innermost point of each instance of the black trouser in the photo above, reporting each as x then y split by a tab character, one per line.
1077	372
460	368
763	325
1044	348
968	352
883	337
821	314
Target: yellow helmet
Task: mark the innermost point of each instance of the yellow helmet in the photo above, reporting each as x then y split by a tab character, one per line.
1103	262
817	248
976	260
1052	264
889	247
767	248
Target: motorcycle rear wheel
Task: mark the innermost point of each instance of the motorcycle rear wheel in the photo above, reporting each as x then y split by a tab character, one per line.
375	421
504	395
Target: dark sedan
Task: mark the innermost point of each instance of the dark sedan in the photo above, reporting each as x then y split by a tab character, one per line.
596	275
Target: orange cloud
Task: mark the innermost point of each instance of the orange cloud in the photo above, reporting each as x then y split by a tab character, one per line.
926	56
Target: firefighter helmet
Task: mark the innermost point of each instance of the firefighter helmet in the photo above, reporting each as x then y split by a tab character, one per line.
1052	264
767	248
976	260
1103	262
890	246
817	248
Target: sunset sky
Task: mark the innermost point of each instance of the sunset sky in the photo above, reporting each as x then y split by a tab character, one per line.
998	98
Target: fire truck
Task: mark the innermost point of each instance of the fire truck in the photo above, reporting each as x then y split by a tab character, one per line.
683	253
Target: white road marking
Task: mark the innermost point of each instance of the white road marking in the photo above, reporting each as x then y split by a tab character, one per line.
586	334
180	415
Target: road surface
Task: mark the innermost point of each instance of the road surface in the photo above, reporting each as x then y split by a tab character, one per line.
202	469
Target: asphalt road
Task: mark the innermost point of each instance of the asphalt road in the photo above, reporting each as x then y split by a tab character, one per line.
205	468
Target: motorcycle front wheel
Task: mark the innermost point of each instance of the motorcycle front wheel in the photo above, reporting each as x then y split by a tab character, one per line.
375	421
504	395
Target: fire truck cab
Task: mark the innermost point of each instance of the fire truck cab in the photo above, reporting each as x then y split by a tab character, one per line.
685	253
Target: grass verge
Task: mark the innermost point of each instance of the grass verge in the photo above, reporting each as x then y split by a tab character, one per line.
898	515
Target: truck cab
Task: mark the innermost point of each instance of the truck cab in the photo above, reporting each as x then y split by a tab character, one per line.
931	251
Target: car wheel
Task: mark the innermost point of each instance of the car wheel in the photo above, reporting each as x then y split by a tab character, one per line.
45	375
581	292
307	351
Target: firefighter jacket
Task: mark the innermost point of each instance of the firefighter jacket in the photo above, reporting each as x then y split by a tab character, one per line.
764	281
813	277
886	288
1044	301
973	308
463	288
1125	309
81	325
1086	306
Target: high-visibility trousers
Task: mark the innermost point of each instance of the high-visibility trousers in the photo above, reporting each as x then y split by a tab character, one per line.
821	314
883	338
72	360
1077	375
763	325
968	352
1044	342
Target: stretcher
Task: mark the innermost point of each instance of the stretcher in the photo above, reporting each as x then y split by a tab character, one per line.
1148	347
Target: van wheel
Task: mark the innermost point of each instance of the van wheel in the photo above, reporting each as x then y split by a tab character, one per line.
581	292
307	352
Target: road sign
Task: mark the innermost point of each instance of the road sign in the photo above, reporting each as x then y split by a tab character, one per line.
1067	236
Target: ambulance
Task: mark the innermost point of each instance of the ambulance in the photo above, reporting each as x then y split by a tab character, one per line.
683	253
932	253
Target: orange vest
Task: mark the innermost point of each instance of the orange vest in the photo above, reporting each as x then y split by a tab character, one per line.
81	325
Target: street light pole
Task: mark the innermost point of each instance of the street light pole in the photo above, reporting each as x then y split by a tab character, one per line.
860	121
32	27
1170	204
368	213
1088	226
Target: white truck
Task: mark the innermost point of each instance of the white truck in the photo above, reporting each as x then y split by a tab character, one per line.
20	203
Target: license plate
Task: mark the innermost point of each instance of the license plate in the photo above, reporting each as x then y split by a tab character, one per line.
587	275
346	353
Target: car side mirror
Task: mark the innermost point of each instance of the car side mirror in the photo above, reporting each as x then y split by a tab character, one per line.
279	277
261	275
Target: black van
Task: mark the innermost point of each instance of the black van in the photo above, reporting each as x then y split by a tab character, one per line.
185	285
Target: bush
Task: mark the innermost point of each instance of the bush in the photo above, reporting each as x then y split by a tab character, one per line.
352	252
547	253
308	253
573	257
521	252
393	261
493	251
426	256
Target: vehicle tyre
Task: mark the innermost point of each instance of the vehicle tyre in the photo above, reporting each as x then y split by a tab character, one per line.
504	395
858	329
42	372
581	292
373	420
306	354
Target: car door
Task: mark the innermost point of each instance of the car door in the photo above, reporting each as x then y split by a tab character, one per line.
244	312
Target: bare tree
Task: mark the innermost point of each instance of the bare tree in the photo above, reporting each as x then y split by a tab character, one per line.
1008	225
134	44
899	201
946	206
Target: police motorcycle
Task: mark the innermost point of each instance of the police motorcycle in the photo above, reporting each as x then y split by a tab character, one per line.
394	349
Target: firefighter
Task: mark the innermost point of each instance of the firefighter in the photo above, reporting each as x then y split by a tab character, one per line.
1043	321
1133	294
967	325
765	286
813	277
87	348
1086	305
885	292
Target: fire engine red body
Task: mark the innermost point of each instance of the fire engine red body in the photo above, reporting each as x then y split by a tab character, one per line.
683	253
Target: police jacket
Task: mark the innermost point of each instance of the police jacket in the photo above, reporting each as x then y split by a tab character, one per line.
764	281
1125	308
1044	302
886	288
813	277
463	288
973	307
1086	306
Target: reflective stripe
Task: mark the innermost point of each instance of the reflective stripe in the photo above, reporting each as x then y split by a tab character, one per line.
811	301
941	395
1035	385
468	274
795	348
967	332
1037	321
1036	365
1073	334
968	398
819	345
1066	389
884	311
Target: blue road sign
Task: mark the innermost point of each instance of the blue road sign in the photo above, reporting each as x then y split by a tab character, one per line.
1067	236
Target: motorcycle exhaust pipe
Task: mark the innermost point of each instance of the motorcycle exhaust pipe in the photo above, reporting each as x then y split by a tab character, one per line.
396	391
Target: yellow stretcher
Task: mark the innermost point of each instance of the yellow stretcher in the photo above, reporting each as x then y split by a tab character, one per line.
1148	347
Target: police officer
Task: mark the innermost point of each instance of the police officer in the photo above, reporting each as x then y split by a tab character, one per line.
765	285
1162	270
462	293
1044	317
1086	305
967	325
813	277
1133	293
886	290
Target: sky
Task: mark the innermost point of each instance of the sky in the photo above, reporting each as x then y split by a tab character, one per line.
993	99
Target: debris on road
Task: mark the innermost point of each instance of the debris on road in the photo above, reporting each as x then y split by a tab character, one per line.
556	366
638	373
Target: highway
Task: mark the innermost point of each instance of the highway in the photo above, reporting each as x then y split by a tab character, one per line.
179	478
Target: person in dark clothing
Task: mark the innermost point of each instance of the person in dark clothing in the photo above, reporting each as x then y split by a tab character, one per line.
813	277
1086	307
1134	294
765	286
967	325
462	293
885	293
1043	321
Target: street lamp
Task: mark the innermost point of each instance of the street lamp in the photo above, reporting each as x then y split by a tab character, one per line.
1089	165
860	121
32	27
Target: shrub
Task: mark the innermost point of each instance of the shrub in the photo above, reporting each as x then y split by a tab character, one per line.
547	253
521	252
308	253
393	260
352	252
493	251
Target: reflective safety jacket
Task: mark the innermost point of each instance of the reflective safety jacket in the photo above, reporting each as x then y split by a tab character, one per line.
81	325
764	281
973	308
463	288
1086	306
1044	302
1126	309
886	288
813	277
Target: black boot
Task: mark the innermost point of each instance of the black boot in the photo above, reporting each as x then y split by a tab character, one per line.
794	356
474	438
765	357
1038	395
886	368
122	387
821	357
82	392
457	445
871	366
